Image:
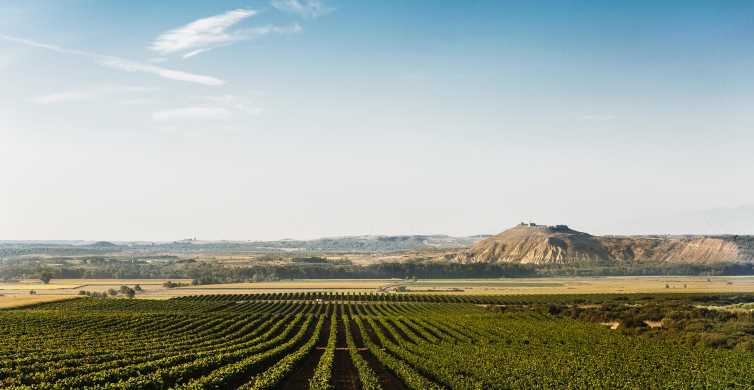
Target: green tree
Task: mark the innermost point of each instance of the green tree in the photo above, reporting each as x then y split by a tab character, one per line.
45	276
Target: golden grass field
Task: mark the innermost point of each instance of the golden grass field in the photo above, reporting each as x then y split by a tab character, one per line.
304	284
11	301
57	284
71	287
595	285
153	288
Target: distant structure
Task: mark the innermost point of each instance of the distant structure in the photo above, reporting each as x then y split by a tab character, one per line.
555	228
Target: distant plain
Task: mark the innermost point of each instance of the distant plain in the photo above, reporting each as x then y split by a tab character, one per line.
153	288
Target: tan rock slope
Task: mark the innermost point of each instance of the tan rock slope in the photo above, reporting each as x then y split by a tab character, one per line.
538	244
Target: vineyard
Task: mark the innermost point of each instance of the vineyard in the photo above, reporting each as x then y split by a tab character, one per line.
339	341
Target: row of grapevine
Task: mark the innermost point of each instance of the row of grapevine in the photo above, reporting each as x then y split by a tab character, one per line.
322	378
261	343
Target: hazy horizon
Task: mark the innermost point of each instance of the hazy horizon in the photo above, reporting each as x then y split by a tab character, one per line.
261	120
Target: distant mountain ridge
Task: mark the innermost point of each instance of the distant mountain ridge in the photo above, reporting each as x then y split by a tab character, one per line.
365	243
539	244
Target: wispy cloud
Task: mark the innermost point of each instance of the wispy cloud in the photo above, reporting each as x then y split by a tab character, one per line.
64	97
309	9
137	101
597	117
122	63
202	33
86	94
256	32
192	113
210	108
235	103
206	34
196	52
132	66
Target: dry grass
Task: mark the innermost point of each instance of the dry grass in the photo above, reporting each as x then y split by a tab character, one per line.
107	282
62	284
599	285
36	286
322	284
23	300
74	286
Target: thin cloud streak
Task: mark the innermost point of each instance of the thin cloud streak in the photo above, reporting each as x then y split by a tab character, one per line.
202	33
597	117
239	104
308	9
256	32
210	108
195	52
209	33
192	113
132	66
123	64
87	94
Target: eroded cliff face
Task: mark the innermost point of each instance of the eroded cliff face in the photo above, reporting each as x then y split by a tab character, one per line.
536	244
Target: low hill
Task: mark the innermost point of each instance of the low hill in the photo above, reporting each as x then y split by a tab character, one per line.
360	244
538	244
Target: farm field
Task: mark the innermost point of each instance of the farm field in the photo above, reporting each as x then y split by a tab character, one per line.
23	300
154	289
588	285
358	340
72	287
305	284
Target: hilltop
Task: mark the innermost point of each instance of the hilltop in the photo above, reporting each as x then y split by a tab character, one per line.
540	244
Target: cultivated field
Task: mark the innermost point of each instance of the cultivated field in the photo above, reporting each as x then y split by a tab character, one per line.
305	284
153	288
71	287
352	341
11	301
592	285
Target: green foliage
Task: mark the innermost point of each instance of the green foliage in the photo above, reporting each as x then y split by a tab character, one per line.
322	378
172	284
367	376
427	342
45	276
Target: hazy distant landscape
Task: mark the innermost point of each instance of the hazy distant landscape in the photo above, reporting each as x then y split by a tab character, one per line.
521	251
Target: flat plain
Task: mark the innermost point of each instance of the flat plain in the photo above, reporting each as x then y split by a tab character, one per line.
153	288
13	301
588	285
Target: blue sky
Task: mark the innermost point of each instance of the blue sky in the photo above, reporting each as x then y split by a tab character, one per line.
303	118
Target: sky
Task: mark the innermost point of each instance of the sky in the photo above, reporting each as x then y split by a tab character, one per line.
239	120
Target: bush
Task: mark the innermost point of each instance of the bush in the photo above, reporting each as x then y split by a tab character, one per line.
631	321
715	340
746	346
554	309
172	284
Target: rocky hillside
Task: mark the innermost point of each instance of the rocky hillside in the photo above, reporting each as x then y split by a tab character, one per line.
537	244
